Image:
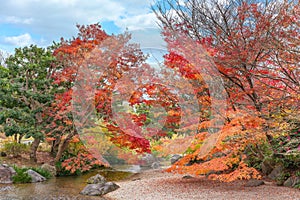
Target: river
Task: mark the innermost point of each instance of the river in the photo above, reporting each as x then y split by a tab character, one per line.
63	188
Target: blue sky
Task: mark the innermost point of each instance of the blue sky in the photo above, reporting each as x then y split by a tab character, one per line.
40	22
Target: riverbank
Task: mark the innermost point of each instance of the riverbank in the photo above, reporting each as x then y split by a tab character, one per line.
146	185
155	184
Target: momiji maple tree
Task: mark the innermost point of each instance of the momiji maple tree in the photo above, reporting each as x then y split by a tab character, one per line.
112	56
70	55
255	47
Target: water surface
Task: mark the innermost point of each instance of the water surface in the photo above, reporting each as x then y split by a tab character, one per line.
63	188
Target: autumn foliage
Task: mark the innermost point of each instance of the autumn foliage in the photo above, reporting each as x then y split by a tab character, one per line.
244	76
230	81
254	49
114	57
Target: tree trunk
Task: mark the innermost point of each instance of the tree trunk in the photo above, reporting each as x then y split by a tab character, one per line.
20	138
61	148
34	147
63	144
54	146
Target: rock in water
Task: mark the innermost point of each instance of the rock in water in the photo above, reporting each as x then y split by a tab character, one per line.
35	177
97	179
99	189
6	173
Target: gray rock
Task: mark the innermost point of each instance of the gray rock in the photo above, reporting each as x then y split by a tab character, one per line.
267	166
175	158
6	173
97	179
6	188
187	177
288	182
99	189
276	172
35	177
147	160
254	183
292	181
49	168
155	165
12	170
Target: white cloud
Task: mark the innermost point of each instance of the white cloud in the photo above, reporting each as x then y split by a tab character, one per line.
16	20
53	19
56	17
137	22
148	38
20	40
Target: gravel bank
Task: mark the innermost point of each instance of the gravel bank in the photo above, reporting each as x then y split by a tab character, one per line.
156	185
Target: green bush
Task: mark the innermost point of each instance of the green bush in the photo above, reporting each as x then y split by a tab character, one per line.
15	149
283	150
257	153
22	177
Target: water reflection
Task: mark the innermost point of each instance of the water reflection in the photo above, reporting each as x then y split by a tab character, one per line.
63	188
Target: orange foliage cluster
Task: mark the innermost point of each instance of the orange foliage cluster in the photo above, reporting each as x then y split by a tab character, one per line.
243	172
227	155
82	162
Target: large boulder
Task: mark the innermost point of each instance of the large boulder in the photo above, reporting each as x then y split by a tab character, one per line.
6	173
49	168
97	179
35	177
99	189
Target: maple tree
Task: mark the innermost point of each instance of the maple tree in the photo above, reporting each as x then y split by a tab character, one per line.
95	72
255	48
112	57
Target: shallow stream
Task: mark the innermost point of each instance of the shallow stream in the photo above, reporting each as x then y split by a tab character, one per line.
63	188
